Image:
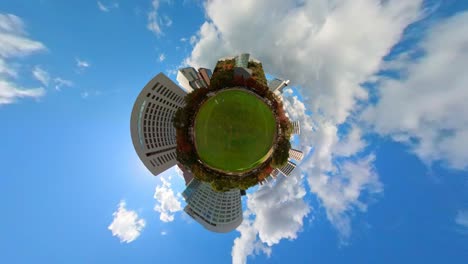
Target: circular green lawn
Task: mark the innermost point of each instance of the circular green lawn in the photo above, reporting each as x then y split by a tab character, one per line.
234	131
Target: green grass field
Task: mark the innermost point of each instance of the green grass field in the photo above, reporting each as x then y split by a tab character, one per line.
234	131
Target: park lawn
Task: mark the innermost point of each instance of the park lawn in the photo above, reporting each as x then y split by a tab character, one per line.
234	131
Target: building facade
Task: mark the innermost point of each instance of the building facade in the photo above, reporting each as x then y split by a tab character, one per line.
288	168
219	212
296	127
153	135
189	79
205	74
242	60
296	154
277	85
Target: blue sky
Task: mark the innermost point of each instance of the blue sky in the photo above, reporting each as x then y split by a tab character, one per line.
379	89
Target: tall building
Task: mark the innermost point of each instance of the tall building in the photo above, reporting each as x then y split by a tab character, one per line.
153	135
242	60
296	154
189	79
296	127
219	212
205	75
288	168
188	175
277	85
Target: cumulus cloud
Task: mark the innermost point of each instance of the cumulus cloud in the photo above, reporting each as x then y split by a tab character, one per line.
424	109
277	212
107	8
15	43
341	189
247	243
327	56
167	203
126	225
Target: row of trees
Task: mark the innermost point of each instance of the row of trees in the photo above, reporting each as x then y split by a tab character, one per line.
257	72
221	182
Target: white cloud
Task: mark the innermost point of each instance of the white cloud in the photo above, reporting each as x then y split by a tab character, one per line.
7	70
44	77
9	92
126	225
102	7
167	21
167	203
82	64
59	83
425	109
328	55
11	23
193	40
162	57
107	8
278	211
351	144
155	21
153	24
84	95
163	233
247	243
41	75
462	219
15	43
13	39
340	190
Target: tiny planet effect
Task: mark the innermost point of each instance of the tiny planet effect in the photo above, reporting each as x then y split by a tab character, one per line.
225	129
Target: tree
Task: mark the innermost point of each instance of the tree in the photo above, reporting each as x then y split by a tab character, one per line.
281	153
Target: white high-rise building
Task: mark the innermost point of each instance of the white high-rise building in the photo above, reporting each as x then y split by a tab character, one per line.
277	85
296	154
189	79
288	168
296	127
153	135
219	212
